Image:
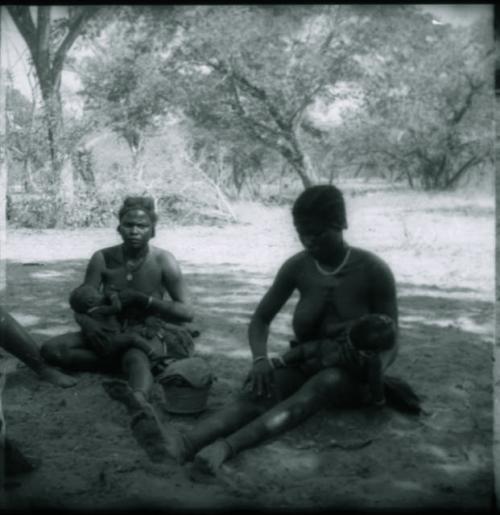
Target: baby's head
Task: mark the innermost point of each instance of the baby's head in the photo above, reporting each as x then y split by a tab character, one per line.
373	333
84	298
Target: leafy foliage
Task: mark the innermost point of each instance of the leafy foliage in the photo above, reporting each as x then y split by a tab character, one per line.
428	118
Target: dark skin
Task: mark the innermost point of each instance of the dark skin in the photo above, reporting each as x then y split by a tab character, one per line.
117	343
141	296
326	245
16	340
284	398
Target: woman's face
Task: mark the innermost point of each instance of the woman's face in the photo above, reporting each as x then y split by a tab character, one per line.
135	228
319	238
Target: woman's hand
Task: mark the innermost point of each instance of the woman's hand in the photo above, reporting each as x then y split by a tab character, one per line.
130	297
262	378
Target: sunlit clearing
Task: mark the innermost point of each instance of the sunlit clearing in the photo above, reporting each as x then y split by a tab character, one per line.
48	274
26	320
57	330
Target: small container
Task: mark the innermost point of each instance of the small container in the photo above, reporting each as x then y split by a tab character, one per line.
185	399
186	384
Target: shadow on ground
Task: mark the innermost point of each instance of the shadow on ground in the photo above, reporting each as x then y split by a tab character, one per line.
441	458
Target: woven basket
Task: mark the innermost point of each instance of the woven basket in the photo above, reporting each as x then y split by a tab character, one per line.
185	399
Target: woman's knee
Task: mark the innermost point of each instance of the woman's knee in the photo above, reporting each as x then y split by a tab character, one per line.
57	349
55	352
134	357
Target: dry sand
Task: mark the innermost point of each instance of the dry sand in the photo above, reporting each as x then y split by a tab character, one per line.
441	249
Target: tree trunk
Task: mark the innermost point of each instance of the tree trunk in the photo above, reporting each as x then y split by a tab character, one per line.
3	174
48	62
301	165
29	184
137	150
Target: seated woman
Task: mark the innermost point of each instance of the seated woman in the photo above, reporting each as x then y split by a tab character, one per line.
338	284
16	340
141	274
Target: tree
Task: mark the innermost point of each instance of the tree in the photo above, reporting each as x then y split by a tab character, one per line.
432	122
258	70
3	174
26	144
122	84
49	40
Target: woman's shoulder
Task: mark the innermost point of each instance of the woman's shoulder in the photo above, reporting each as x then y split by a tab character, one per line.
164	259
298	258
159	253
368	259
109	253
296	262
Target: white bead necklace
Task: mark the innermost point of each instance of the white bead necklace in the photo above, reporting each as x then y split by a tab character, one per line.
322	271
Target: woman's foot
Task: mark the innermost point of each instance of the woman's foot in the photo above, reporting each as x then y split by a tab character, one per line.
56	377
120	391
145	424
147	430
210	459
177	445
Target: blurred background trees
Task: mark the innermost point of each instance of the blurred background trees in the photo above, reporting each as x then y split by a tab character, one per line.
199	105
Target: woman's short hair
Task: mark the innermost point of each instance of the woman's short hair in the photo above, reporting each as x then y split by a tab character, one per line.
322	202
146	204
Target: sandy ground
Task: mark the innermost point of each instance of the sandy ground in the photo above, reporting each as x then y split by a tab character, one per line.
441	249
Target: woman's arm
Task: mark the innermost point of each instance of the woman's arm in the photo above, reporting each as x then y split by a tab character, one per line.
262	376
95	267
383	300
175	310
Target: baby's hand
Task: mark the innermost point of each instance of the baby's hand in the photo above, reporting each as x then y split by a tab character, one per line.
278	362
114	298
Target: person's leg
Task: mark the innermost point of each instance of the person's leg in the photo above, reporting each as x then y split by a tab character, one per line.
16	340
330	386
183	447
145	424
69	351
137	368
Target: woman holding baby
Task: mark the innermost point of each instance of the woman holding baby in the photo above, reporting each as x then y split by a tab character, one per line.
339	285
138	275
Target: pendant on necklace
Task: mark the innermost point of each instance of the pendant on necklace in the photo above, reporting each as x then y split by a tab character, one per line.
129	276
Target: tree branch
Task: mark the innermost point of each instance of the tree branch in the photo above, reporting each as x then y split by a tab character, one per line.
458	114
43	38
252	124
21	17
474	160
75	26
255	91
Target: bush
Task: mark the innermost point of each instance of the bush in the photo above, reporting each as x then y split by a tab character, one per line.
45	211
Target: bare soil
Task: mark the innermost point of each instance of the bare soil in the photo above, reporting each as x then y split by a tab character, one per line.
441	249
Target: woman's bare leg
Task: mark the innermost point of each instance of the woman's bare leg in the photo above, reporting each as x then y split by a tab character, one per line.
246	408
16	340
138	371
70	352
316	393
145	423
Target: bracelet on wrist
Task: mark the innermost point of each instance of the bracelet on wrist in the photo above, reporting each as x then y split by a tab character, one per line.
149	302
260	358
